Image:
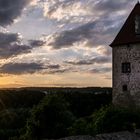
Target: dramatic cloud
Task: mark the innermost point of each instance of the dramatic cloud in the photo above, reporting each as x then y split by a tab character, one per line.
97	60
21	68
56	68
56	71
60	39
10	10
108	6
67	38
79	62
36	42
68	10
100	70
53	66
102	59
107	18
83	11
8	38
11	50
11	45
31	68
104	50
93	33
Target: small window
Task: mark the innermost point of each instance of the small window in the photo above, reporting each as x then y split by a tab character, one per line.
124	88
137	24
126	68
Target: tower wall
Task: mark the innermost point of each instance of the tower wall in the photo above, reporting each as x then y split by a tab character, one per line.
122	54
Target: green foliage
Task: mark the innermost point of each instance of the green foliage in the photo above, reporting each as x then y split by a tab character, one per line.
112	119
13	118
84	104
15	109
19	98
30	115
12	121
79	127
50	119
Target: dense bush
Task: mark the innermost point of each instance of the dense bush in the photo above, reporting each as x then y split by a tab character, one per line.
84	104
61	115
15	108
50	119
30	115
79	127
19	98
112	119
105	120
12	121
53	117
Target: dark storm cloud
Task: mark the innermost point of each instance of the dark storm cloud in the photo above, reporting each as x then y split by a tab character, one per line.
53	66
56	68
11	50
57	71
67	38
102	59
10	10
79	62
111	5
100	70
95	33
31	68
36	42
11	45
110	16
7	38
97	60
21	68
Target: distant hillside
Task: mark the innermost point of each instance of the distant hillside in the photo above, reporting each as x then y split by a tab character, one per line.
72	89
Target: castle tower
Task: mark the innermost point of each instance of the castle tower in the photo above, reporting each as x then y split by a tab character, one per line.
126	62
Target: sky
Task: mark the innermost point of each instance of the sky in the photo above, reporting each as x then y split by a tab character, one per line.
56	43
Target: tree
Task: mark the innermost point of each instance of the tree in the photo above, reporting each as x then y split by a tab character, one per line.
50	119
113	119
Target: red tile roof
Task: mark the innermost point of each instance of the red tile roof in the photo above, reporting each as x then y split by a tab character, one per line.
127	33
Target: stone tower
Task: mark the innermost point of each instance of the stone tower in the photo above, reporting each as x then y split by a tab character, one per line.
126	62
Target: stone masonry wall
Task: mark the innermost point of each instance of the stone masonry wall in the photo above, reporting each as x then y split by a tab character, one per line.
121	54
112	136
